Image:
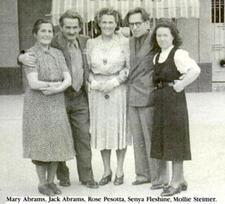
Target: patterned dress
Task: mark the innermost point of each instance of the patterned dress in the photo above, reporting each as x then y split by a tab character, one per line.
170	138
108	112
46	130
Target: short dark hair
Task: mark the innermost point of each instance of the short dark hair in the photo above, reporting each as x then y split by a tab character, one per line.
166	23
222	62
38	23
111	12
71	13
142	11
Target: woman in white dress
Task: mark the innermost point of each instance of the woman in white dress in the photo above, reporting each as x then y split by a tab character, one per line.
109	66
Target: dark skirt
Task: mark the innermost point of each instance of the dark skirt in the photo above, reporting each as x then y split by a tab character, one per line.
170	138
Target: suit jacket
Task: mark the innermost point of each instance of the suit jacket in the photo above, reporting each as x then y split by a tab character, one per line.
60	42
140	84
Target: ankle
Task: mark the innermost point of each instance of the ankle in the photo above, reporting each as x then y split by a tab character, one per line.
107	173
119	174
175	183
43	183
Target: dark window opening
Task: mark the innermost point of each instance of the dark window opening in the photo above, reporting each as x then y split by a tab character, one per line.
217	9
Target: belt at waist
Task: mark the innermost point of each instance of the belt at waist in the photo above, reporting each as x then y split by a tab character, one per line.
162	84
105	75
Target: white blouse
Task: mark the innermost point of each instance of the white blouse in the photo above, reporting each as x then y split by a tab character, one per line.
108	59
182	60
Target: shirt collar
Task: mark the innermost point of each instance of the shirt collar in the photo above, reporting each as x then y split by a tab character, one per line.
74	42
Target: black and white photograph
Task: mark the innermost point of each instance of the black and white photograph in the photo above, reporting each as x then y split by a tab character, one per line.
112	101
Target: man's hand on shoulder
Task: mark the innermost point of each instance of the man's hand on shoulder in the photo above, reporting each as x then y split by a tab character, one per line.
28	59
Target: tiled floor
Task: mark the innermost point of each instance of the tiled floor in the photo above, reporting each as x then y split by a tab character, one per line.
205	173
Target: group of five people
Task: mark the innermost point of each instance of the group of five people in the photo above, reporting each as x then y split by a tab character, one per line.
103	93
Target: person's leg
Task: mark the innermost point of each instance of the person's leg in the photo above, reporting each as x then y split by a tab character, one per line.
177	174
177	183
42	173
106	155
119	177
62	174
107	175
120	153
51	171
43	186
79	119
140	155
158	168
52	167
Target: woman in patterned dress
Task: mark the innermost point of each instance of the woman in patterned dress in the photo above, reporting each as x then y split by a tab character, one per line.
173	71
108	59
47	136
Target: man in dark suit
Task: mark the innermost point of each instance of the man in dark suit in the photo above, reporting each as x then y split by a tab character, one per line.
73	46
140	101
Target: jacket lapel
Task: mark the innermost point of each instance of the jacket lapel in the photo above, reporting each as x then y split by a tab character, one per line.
132	53
64	47
81	42
145	49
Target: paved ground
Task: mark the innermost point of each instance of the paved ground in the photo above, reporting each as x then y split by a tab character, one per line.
205	173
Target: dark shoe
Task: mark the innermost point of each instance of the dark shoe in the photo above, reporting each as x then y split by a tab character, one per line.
46	190
54	188
90	184
105	180
137	182
158	186
118	180
183	186
65	182
170	191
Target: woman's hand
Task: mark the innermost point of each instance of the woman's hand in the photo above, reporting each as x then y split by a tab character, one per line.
105	86
50	90
110	85
178	87
123	75
96	85
53	88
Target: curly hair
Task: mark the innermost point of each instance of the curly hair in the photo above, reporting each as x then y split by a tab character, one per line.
111	12
165	23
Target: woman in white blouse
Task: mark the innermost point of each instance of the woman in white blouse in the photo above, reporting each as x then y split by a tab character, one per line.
109	65
173	71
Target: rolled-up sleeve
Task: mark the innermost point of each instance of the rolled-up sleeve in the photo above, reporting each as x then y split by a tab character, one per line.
29	69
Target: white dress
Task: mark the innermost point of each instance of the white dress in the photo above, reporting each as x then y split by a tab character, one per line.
108	112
